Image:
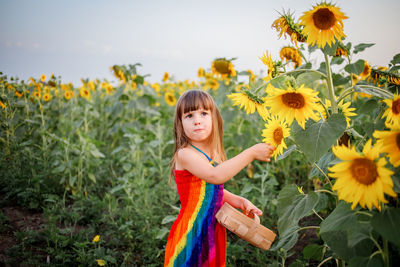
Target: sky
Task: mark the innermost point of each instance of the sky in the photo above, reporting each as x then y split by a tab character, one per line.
82	39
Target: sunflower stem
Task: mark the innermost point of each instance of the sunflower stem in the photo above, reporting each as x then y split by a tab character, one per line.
385	252
345	93
325	191
308	227
323	173
331	89
316	213
388	93
322	262
326	109
342	96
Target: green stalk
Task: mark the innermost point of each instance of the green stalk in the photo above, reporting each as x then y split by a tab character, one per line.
331	89
385	252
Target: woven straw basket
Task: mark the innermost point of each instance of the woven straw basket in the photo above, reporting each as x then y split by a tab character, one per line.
245	227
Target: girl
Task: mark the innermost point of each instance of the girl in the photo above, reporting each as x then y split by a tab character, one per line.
196	238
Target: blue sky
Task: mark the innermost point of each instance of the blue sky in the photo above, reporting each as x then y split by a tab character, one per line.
82	39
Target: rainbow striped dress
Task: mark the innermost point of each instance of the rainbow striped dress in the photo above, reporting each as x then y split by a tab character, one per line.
196	238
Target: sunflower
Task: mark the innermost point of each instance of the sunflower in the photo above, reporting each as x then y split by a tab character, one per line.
42	78
344	108
267	60
392	113
68	94
84	92
47	97
223	68
201	72
165	77
290	53
323	24
389	142
156	87
91	85
286	26
2	105
290	104
275	133
362	178
211	83
170	99
380	76
36	94
19	94
133	85
252	76
241	86
342	50
366	71
250	102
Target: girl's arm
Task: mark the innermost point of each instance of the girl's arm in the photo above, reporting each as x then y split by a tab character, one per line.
199	166
239	202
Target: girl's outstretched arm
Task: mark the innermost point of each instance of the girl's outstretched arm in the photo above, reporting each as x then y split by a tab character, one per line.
242	203
199	166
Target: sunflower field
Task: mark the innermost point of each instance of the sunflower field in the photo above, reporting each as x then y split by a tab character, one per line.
93	160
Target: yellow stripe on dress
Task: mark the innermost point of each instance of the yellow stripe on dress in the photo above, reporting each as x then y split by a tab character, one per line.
182	242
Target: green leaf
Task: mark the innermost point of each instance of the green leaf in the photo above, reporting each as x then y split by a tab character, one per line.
308	79
316	139
279	82
59	169
92	177
287	152
330	49
339	79
168	219
345	233
361	47
323	164
387	224
162	232
292	206
379	92
355	68
314	251
375	261
396	59
337	60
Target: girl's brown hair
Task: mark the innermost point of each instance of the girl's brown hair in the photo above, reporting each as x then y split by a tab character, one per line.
190	101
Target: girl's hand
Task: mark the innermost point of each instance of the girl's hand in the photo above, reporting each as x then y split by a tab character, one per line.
262	151
248	208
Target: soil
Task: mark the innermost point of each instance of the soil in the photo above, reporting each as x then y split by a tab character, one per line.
17	219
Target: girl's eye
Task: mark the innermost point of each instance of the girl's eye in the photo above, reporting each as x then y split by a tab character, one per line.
204	113
188	116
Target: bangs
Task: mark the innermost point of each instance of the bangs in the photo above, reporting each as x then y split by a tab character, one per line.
194	100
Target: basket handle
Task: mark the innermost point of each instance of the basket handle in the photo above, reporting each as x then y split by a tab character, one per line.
256	218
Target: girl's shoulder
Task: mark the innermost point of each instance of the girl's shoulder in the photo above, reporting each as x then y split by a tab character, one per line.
187	156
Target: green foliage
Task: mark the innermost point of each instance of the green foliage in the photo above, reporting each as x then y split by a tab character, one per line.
318	137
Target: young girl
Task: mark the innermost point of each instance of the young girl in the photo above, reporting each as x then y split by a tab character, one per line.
196	238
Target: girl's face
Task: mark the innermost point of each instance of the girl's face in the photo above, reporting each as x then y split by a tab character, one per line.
197	125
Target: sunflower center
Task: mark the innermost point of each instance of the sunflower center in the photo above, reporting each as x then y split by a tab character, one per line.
222	66
396	107
364	171
278	135
324	19
293	100
398	140
170	98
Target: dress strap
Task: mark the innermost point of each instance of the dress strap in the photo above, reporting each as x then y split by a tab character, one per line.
209	159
